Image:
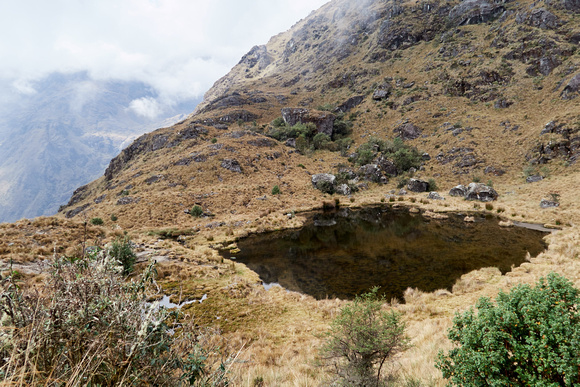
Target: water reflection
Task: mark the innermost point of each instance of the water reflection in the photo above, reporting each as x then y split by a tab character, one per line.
345	253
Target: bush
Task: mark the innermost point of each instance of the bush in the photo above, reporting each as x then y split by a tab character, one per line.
432	185
86	326
361	339
320	141
97	221
196	211
114	217
278	122
406	158
276	190
122	251
528	337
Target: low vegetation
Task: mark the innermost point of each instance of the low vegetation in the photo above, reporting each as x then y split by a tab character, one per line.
87	325
403	156
361	340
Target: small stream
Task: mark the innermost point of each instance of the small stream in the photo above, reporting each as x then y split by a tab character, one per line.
347	252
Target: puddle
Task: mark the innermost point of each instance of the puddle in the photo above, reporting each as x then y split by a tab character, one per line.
345	253
166	303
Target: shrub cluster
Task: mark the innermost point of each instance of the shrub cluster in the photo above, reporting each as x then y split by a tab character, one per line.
88	326
402	155
307	137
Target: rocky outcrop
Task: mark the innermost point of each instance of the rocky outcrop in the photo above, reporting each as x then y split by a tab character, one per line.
474	12
407	131
540	18
152	142
257	56
350	104
383	91
231	165
127	200
416	185
75	211
373	173
481	192
324	121
572	88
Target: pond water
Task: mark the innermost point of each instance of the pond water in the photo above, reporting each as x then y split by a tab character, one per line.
347	252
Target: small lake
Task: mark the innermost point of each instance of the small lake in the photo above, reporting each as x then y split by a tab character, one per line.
347	252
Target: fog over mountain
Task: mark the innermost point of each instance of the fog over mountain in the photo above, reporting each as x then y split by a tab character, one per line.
64	133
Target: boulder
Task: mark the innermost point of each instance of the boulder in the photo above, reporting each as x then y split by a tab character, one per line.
387	166
435	196
459	190
572	88
534	178
372	172
343	189
324	121
545	203
416	185
382	91
408	131
323	180
481	192
402	192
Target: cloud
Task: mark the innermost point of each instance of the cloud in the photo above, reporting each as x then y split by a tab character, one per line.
179	47
146	107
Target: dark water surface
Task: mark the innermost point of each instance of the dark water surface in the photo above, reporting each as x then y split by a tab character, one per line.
345	253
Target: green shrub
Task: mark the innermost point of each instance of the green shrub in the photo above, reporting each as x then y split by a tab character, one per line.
432	185
361	339
527	337
407	158
114	217
122	251
365	156
325	186
276	190
214	140
320	141
278	122
97	221
196	211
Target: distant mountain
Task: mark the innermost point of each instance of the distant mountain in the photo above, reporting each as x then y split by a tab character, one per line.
63	135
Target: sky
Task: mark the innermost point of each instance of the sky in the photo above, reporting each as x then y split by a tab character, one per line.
178	47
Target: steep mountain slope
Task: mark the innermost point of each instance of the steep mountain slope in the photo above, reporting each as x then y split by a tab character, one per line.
471	83
63	135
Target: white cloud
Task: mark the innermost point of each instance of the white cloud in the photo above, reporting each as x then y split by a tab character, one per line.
179	47
146	107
